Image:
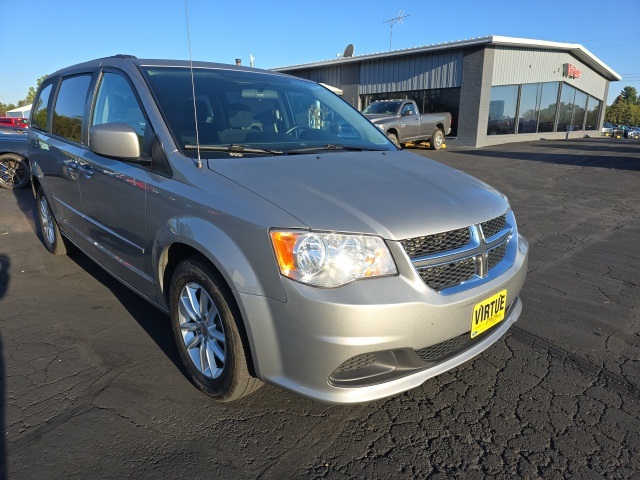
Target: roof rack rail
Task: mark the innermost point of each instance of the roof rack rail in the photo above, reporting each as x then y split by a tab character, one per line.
122	55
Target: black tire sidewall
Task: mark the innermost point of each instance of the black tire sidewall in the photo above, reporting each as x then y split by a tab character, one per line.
437	140
52	247
18	158
192	270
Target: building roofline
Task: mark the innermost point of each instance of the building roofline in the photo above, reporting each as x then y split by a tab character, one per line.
575	49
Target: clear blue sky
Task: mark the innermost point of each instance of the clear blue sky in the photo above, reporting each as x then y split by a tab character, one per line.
41	36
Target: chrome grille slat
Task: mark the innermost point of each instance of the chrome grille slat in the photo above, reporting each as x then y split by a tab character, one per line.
449	259
493	226
439	242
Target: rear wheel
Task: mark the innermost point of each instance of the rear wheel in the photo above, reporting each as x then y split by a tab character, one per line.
14	171
437	139
205	324
53	239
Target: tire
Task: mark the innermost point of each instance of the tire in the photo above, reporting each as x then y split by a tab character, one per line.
51	236
211	345
394	138
14	171
436	140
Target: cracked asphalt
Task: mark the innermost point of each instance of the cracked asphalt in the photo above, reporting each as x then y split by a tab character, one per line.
91	386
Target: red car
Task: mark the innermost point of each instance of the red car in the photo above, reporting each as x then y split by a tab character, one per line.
14	122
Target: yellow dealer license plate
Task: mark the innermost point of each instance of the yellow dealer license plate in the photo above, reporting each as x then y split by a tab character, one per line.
488	313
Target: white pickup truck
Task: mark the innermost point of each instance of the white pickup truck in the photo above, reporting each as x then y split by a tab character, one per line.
401	122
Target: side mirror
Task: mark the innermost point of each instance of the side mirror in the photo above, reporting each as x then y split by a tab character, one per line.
117	140
406	113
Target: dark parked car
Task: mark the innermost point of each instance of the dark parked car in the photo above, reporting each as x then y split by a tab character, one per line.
7	130
14	166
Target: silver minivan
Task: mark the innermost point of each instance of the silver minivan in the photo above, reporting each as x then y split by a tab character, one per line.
287	238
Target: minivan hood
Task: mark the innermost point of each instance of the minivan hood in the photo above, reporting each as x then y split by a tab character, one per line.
394	194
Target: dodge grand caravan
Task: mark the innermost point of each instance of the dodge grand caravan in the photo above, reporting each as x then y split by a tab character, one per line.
289	241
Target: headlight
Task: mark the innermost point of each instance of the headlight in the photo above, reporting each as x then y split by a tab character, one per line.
330	259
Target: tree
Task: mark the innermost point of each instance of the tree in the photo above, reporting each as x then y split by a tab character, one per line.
629	95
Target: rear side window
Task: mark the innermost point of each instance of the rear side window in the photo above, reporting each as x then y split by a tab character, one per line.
40	109
69	109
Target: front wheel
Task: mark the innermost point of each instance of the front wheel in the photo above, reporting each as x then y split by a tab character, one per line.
206	326
437	139
14	171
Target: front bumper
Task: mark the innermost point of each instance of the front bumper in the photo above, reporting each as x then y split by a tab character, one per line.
301	345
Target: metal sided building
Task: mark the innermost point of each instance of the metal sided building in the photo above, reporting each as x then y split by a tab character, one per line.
498	89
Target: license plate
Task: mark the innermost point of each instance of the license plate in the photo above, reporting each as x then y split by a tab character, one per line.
488	313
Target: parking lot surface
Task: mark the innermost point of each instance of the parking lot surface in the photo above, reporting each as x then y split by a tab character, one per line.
91	385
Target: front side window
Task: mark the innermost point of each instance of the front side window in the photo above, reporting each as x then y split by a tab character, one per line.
69	108
502	110
116	103
40	109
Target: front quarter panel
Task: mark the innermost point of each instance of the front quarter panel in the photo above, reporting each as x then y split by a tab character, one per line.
223	221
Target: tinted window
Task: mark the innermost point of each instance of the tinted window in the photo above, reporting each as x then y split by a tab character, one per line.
69	108
593	111
565	108
40	109
529	103
579	110
548	104
502	110
116	103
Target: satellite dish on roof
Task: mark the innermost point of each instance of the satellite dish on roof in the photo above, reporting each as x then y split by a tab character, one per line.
348	52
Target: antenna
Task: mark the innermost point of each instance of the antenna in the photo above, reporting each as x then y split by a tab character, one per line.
348	51
193	85
393	21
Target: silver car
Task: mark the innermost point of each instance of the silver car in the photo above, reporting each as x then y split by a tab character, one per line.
287	238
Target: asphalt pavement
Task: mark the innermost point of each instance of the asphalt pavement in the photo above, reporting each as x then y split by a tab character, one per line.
91	384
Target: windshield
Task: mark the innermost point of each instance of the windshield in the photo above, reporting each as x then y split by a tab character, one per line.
257	113
382	107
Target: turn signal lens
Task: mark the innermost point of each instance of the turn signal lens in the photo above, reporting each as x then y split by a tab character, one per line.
330	259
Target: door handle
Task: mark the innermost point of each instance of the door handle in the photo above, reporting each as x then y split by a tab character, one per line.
86	170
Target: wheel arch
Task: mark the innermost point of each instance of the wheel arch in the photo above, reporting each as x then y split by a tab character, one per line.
178	252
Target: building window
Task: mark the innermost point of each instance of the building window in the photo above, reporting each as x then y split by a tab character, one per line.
529	105
593	112
502	110
565	108
548	105
429	101
579	110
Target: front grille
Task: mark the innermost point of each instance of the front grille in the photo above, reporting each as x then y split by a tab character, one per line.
491	227
440	242
359	361
444	276
473	251
441	350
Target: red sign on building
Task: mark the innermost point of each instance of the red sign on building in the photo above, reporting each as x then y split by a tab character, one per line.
571	71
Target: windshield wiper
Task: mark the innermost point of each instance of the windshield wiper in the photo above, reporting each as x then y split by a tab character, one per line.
332	146
233	148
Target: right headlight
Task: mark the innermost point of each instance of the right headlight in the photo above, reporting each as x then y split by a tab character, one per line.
330	259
